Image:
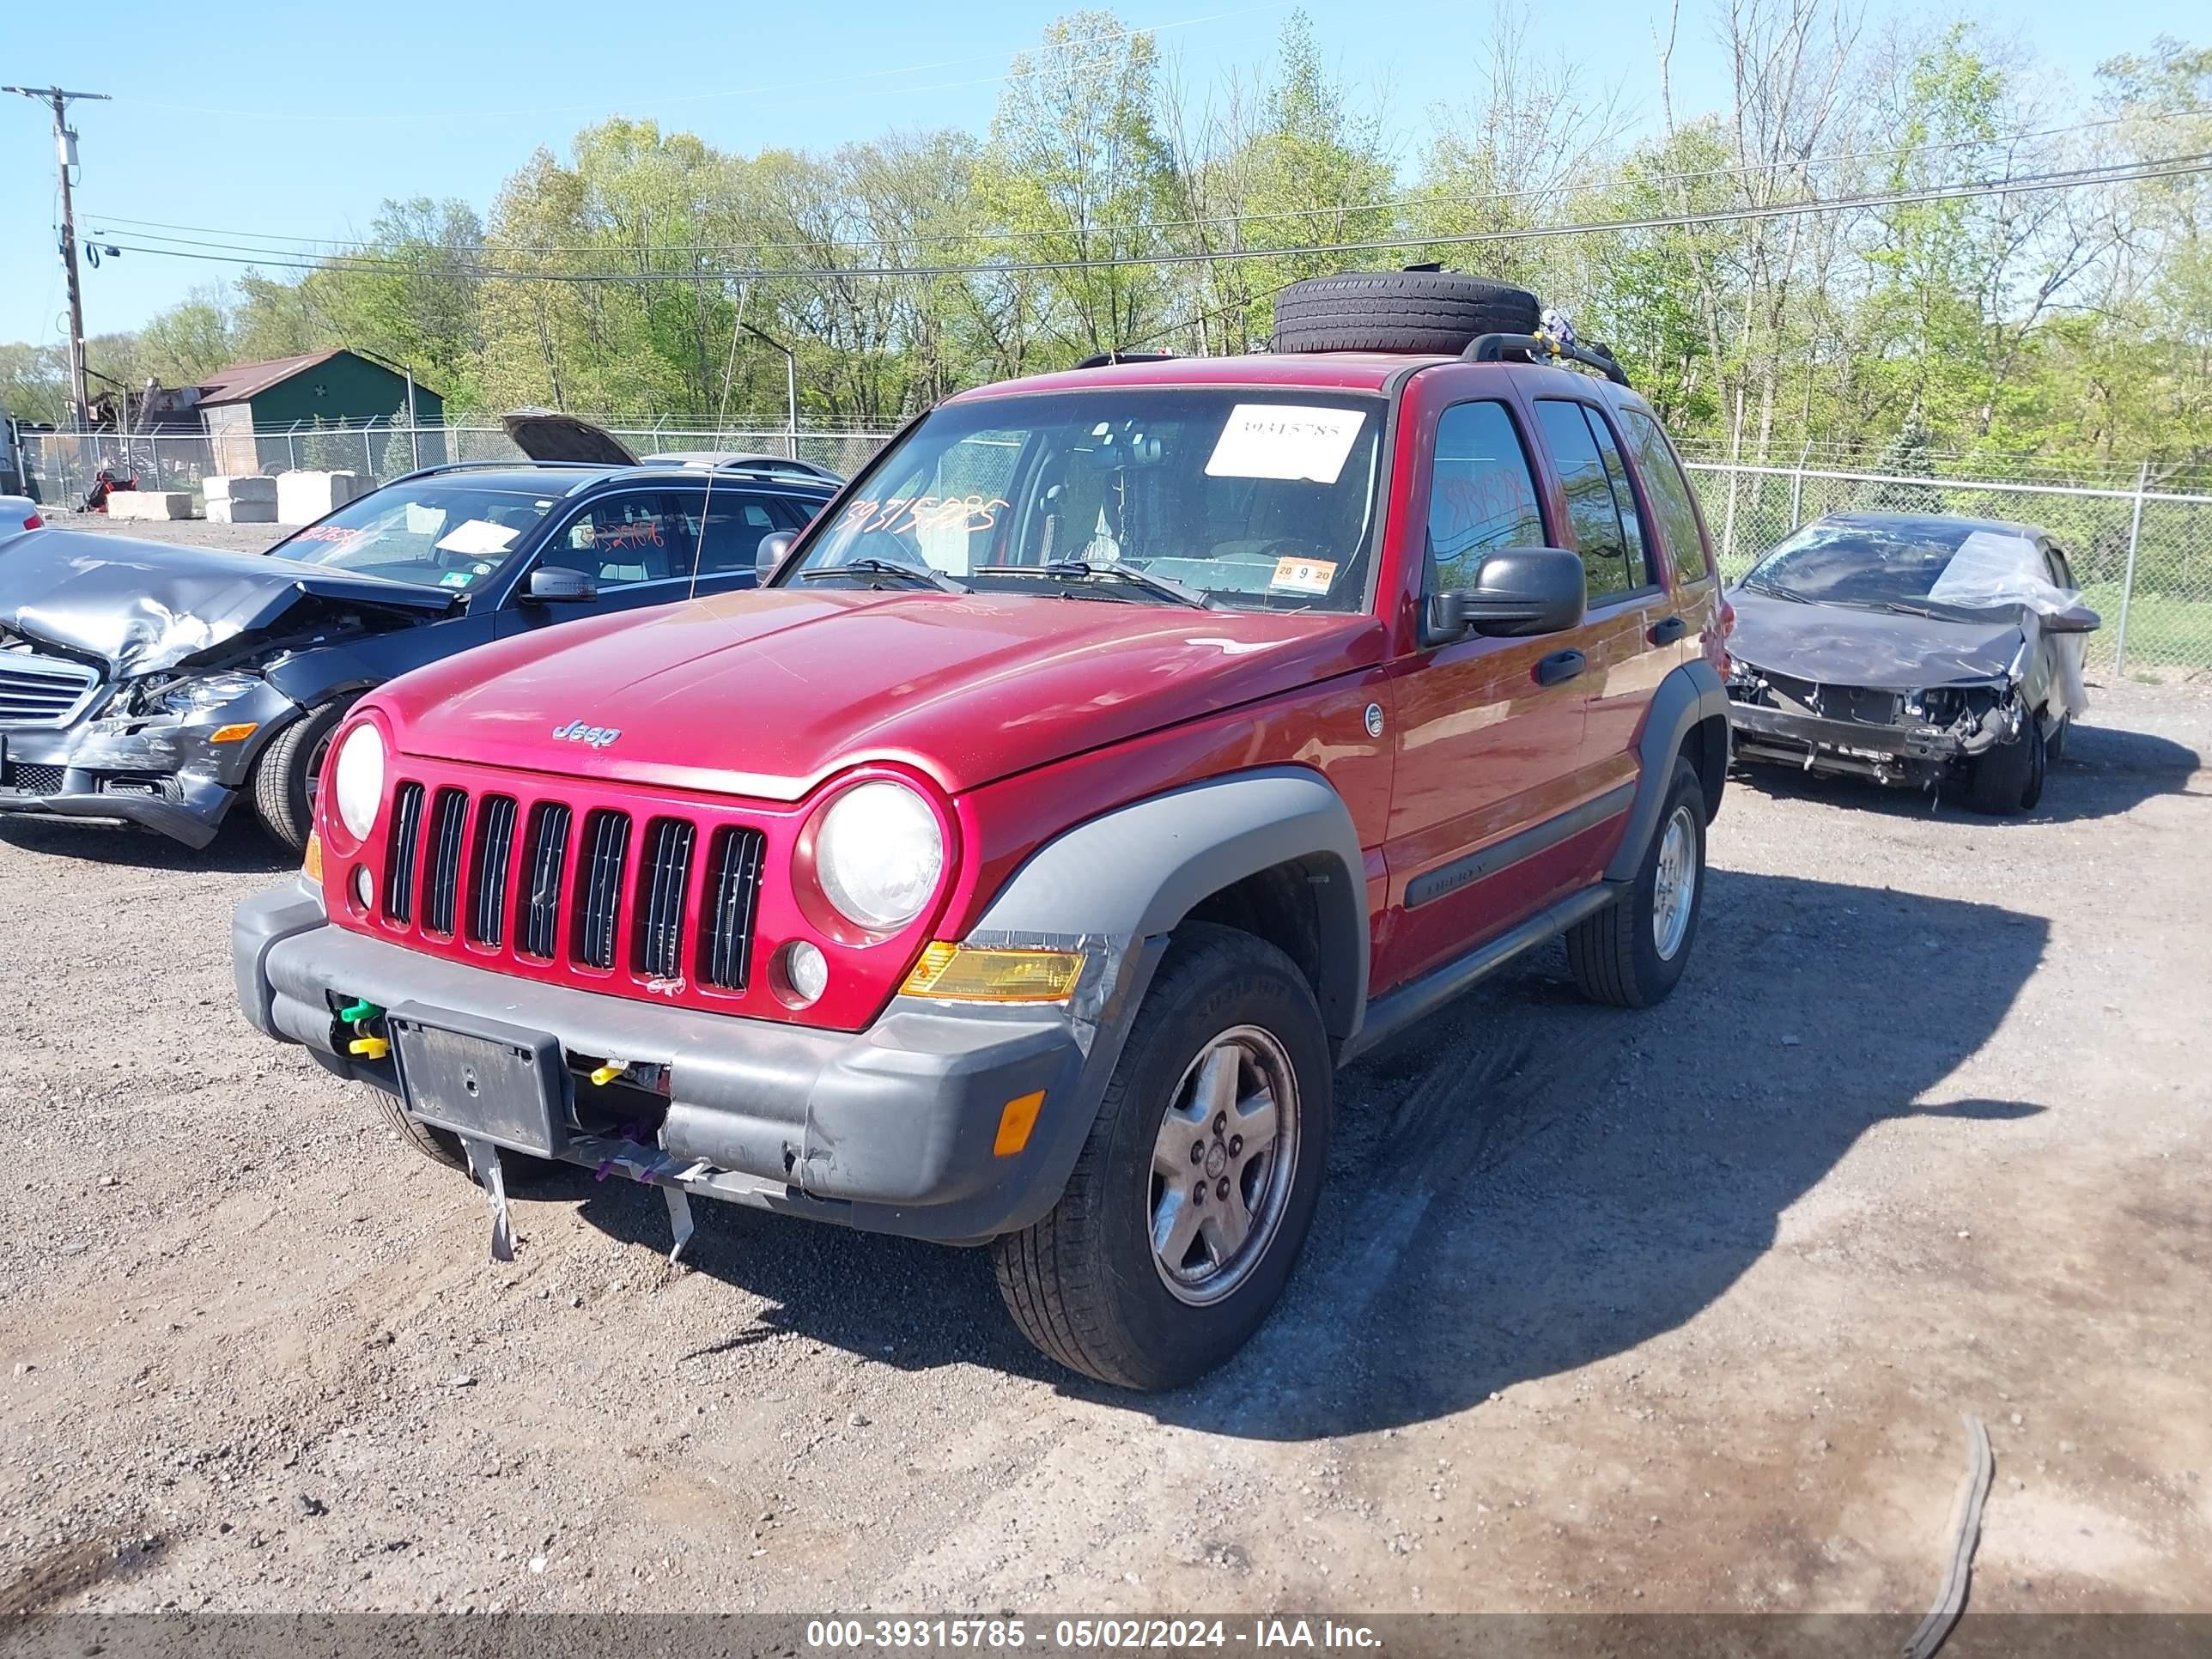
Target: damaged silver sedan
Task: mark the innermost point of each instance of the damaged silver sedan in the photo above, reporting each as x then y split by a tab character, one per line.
1919	650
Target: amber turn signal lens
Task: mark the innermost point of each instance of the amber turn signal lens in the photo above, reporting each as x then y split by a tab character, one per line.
312	866
1015	1123
237	733
966	973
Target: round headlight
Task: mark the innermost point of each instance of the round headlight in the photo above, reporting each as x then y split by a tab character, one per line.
878	854
358	783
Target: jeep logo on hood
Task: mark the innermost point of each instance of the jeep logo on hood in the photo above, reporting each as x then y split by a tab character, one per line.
576	731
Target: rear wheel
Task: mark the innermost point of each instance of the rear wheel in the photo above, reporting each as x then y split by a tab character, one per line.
286	775
1191	1199
1632	953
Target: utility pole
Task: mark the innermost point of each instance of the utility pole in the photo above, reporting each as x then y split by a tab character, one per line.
66	156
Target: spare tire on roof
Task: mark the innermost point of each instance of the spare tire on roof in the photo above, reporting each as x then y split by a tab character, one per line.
1398	311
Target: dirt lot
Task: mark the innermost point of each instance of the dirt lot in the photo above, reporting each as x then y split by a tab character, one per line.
1603	1310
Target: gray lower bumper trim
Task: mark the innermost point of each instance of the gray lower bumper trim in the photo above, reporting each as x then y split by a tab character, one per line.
896	1124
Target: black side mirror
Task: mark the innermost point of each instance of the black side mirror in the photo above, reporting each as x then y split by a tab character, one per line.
769	552
1517	592
2080	619
556	584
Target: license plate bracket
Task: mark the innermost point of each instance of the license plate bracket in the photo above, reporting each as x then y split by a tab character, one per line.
501	1083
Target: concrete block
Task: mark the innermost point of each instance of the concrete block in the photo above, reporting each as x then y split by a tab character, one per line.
304	497
240	487
150	504
230	510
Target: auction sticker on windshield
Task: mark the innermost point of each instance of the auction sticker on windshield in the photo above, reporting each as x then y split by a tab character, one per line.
1285	441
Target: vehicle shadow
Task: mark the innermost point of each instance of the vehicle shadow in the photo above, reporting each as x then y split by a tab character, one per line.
2107	771
1525	1184
240	848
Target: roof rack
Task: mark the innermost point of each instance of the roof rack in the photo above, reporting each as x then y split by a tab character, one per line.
517	463
1108	359
1536	348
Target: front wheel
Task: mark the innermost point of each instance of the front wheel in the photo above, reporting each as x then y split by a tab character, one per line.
289	770
1189	1204
1631	953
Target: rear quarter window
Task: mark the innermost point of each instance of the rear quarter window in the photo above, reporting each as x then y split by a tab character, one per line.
1669	492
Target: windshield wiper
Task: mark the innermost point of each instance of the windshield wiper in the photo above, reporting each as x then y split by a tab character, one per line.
1789	594
1083	570
908	573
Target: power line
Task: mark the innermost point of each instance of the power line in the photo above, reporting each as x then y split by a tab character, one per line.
2165	168
144	229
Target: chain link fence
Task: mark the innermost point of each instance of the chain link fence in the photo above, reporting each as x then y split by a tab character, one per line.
2143	557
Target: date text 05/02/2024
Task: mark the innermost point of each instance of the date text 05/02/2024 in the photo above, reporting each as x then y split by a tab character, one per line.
1006	1635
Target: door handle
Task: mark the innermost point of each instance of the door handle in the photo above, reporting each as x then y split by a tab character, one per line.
1559	667
1667	630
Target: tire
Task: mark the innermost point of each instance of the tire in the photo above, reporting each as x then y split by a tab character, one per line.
1627	954
1085	1284
444	1146
1398	311
285	775
2008	778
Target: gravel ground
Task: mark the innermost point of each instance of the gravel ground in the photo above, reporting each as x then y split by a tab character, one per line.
1603	1310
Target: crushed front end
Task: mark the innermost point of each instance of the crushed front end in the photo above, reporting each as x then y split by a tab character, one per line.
1913	738
167	753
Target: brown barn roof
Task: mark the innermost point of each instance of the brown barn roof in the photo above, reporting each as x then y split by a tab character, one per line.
241	381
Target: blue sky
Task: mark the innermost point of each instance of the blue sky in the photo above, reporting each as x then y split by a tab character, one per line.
299	119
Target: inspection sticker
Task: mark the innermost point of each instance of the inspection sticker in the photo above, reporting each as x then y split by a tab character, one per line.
1285	441
1302	577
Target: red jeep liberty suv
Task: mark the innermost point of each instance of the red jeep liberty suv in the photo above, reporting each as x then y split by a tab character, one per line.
1123	751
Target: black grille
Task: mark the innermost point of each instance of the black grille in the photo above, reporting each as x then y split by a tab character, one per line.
406	838
732	891
488	869
31	778
599	887
449	811
34	688
537	919
662	885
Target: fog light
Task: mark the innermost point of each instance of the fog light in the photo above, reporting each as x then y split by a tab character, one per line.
806	971
364	890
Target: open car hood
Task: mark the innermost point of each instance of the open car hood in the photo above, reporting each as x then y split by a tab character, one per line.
543	435
1882	650
142	607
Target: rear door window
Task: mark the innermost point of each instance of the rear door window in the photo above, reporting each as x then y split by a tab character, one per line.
1611	545
733	526
1482	494
1669	492
638	536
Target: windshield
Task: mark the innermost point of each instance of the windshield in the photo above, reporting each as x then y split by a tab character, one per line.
1236	497
434	534
1882	565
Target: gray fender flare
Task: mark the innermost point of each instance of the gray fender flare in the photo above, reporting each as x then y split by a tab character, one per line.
1131	875
1690	696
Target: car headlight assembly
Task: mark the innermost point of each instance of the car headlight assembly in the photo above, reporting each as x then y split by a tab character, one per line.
358	782
878	854
211	691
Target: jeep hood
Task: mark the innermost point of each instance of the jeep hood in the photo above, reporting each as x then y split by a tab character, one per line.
141	607
767	693
1882	650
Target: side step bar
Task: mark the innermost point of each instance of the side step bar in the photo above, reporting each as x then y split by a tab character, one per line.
1392	1011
